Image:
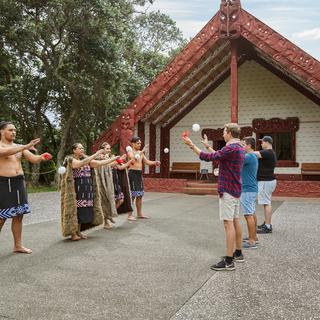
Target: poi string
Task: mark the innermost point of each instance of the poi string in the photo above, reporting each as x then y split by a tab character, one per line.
46	172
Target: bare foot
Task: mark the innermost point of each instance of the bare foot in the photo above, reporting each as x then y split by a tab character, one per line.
143	217
108	226
22	250
82	236
112	220
132	218
75	237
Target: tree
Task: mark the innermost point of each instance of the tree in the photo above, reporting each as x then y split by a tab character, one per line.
72	66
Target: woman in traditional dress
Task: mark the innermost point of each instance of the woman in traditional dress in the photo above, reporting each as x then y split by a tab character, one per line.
81	202
111	193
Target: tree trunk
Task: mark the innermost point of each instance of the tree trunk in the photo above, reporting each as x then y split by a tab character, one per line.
65	135
38	133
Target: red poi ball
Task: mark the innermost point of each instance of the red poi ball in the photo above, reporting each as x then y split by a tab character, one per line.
185	134
47	156
120	161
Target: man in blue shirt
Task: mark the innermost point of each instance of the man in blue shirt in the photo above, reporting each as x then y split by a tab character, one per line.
249	191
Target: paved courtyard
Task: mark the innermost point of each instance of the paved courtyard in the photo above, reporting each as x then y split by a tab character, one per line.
159	268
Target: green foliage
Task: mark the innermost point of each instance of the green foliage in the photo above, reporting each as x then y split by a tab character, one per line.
68	68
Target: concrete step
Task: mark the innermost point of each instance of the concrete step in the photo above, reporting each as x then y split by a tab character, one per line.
200	191
201	185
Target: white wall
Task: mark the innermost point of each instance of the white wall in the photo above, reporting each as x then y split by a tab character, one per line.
261	95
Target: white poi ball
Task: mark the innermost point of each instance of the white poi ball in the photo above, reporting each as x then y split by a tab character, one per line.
62	170
137	156
166	150
195	127
216	172
128	149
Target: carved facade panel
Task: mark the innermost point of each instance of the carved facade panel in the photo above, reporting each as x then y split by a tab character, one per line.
230	25
127	129
276	125
301	64
216	134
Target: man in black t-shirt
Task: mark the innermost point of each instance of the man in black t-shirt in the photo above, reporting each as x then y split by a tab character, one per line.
266	181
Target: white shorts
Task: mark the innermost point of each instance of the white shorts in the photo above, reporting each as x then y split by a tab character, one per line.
266	189
229	207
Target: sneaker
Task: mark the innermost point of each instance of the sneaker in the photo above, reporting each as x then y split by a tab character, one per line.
261	225
264	229
247	245
238	258
246	239
223	266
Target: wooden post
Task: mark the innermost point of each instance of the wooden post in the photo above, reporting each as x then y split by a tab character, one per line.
164	157
234	82
152	146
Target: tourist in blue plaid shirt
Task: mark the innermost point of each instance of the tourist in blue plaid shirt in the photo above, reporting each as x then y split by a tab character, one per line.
231	159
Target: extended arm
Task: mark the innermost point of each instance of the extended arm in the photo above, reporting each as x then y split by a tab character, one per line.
192	146
9	151
149	162
99	163
34	158
80	163
125	165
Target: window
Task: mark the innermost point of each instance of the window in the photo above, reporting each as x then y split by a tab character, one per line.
282	144
283	133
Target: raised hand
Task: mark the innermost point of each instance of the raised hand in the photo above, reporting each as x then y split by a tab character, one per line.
32	143
187	140
205	141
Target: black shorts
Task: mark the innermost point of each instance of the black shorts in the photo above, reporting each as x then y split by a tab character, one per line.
13	200
136	183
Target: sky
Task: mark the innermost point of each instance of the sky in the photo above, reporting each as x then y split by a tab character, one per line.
297	20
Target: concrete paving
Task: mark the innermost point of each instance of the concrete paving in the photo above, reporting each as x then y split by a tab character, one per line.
159	268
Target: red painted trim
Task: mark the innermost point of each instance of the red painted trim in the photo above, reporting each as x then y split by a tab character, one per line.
289	177
234	82
279	49
164	185
164	157
285	188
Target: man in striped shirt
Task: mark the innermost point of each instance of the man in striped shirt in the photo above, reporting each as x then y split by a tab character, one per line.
231	159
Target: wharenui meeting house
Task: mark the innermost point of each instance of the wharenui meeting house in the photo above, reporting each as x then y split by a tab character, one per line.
236	69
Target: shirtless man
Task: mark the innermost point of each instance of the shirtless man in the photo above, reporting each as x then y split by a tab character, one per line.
13	201
135	176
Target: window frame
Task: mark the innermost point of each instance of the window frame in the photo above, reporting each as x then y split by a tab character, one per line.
276	125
